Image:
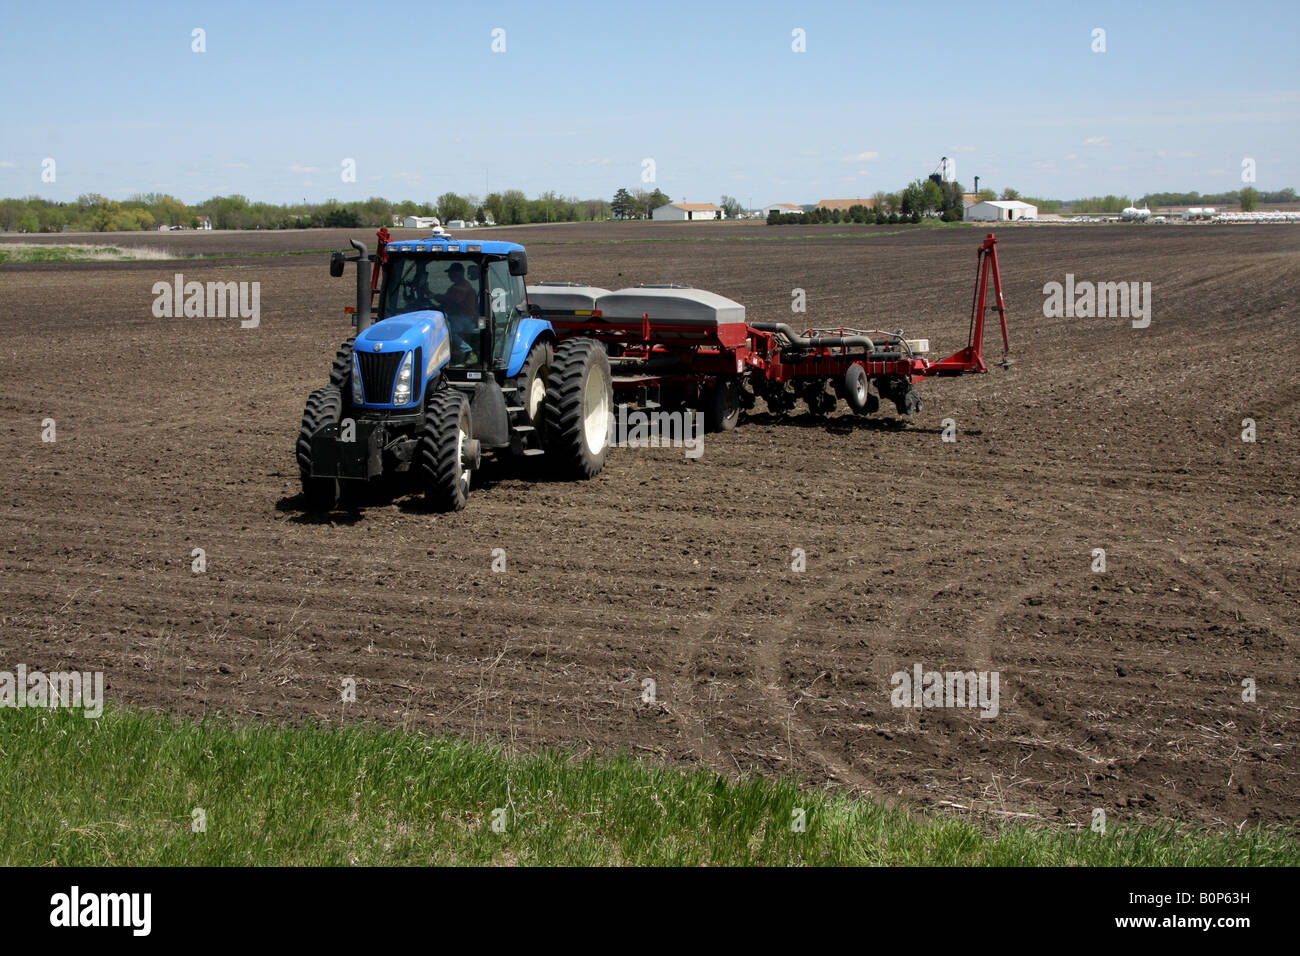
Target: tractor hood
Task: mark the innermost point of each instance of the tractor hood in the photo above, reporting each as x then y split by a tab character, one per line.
381	351
425	330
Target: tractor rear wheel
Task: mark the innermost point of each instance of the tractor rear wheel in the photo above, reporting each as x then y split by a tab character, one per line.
324	407
447	452
722	406
579	401
342	366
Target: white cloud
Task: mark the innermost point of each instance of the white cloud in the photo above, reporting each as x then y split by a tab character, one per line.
964	149
1096	141
8	165
304	169
862	157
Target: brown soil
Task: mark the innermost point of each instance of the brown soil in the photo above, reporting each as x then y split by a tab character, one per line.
1119	690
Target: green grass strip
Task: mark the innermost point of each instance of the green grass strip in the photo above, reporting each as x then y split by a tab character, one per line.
122	790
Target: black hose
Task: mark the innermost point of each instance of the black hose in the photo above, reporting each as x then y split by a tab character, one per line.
825	341
817	341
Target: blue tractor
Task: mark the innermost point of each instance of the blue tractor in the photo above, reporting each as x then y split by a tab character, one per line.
455	365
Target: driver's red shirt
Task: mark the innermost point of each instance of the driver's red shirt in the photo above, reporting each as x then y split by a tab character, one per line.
460	298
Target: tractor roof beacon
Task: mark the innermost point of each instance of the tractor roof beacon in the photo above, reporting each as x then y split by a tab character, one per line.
454	358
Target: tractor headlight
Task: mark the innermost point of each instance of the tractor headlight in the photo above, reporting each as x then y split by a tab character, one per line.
358	394
402	390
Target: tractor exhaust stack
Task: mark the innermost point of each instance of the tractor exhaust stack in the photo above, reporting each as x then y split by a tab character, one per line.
363	285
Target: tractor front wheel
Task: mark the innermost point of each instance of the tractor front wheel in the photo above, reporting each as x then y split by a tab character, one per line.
579	401
324	407
342	367
447	452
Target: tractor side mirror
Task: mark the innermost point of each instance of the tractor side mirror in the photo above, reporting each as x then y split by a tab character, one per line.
336	264
518	262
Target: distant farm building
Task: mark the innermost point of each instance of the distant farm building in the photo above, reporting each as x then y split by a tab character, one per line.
1000	210
420	222
844	205
781	208
688	211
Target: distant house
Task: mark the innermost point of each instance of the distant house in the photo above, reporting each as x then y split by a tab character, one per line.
205	223
844	205
782	208
688	212
1000	210
420	222
456	224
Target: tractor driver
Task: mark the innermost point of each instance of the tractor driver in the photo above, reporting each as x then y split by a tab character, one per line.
460	304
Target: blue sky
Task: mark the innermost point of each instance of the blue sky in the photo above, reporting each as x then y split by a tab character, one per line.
584	92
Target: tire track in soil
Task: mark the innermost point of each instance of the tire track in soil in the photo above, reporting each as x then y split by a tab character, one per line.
764	654
1222	593
683	686
768	662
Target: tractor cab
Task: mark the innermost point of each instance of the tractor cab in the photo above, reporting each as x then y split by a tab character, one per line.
478	287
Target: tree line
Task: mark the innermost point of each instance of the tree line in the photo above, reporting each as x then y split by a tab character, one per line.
932	198
95	213
922	198
1248	198
641	204
928	198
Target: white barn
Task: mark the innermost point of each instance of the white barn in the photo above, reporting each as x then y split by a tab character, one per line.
688	212
420	222
784	208
1000	210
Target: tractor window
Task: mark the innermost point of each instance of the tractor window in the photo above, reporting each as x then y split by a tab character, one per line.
506	299
449	285
419	282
